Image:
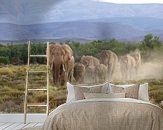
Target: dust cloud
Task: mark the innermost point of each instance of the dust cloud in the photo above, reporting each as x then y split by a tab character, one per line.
151	70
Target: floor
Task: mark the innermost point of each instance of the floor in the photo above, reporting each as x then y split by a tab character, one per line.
15	121
17	126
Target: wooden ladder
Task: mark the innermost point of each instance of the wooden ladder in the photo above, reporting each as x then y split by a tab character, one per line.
26	104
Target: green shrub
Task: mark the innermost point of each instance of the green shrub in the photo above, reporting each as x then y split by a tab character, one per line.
4	60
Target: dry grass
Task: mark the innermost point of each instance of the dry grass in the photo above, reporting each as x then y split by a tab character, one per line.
12	86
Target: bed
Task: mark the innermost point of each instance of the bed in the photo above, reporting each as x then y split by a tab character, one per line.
95	112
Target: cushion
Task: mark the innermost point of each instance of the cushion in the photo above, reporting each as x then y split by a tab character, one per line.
84	88
70	95
106	88
131	92
123	85
103	95
143	92
80	90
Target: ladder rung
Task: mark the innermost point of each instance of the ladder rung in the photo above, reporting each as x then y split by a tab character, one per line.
37	71
38	55
34	89
36	105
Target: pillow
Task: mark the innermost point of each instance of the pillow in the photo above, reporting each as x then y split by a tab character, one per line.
104	95
106	88
80	90
123	85
70	95
71	91
143	92
131	92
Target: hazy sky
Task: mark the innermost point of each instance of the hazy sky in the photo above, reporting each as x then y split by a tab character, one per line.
45	11
133	1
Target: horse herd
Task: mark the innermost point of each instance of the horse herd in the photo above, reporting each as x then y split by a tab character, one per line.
108	66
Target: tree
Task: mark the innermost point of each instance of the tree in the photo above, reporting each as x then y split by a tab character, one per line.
151	42
149	45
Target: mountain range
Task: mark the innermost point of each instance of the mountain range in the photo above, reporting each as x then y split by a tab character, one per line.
128	29
79	19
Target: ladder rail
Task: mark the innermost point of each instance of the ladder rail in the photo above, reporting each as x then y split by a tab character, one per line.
26	104
26	87
47	109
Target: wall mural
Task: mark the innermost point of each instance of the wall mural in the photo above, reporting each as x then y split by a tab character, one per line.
120	43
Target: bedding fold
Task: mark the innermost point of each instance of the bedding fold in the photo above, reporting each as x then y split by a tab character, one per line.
106	114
